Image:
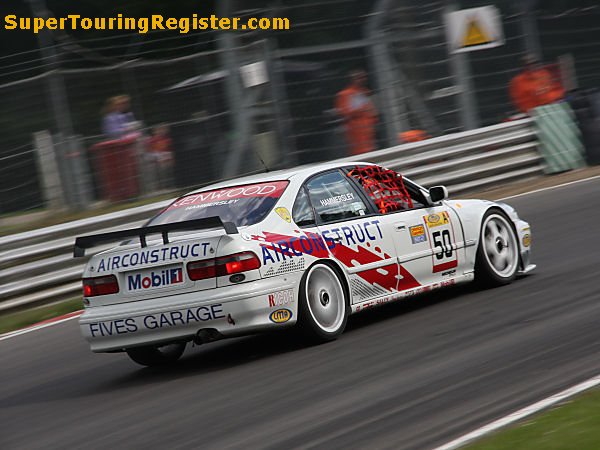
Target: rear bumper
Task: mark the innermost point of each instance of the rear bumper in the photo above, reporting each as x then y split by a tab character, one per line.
232	311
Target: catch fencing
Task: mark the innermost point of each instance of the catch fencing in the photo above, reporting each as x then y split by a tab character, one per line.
38	267
237	102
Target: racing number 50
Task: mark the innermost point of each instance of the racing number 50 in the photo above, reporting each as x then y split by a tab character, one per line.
442	240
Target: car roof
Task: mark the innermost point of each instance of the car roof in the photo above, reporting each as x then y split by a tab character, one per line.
301	172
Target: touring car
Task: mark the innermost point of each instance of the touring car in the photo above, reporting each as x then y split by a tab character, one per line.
303	247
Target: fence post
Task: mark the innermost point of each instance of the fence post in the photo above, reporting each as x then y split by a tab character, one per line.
394	118
63	147
240	117
82	177
279	99
460	68
147	178
74	171
394	111
530	29
54	80
52	187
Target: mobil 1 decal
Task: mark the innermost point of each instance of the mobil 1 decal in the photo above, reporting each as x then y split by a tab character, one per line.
442	241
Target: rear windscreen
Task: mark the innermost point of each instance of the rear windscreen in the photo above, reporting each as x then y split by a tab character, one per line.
242	205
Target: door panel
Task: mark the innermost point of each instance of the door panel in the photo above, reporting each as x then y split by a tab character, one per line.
427	239
428	242
353	234
368	255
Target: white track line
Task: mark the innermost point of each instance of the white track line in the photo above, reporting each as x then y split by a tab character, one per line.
542	404
549	188
41	325
521	414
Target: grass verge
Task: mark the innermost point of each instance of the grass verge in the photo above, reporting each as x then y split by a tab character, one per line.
20	319
572	425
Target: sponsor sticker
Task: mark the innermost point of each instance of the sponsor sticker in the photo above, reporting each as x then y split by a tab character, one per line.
417	234
446	283
337	199
281	298
442	241
526	240
277	248
436	220
154	279
229	195
284	214
146	256
280	315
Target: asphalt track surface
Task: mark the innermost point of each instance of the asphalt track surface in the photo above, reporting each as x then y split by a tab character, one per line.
409	376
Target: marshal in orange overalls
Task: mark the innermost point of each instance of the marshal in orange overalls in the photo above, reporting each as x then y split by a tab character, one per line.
356	107
535	86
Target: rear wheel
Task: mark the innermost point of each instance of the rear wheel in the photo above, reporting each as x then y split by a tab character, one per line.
154	355
498	253
323	304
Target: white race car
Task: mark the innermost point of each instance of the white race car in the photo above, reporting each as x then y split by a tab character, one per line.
306	246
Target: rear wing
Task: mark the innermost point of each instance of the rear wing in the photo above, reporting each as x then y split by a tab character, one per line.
83	242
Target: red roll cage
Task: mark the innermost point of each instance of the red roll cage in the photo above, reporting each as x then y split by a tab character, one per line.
384	186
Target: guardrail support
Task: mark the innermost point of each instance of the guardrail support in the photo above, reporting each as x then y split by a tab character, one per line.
393	108
52	187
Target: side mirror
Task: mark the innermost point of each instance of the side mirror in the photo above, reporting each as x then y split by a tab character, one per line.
438	193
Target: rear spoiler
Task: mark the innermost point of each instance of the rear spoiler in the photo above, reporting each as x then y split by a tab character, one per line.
83	242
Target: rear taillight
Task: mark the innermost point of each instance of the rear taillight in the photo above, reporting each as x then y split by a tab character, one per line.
100	286
240	262
225	265
201	270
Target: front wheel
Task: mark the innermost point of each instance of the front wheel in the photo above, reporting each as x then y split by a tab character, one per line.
323	304
154	355
498	253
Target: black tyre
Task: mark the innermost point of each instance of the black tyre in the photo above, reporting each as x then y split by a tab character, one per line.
323	308
497	259
153	355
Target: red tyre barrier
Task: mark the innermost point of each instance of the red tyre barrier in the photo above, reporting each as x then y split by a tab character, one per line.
116	165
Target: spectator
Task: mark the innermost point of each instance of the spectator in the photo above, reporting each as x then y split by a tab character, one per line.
535	86
118	120
160	153
356	108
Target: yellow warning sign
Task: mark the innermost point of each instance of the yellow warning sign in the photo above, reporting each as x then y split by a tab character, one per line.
473	29
475	35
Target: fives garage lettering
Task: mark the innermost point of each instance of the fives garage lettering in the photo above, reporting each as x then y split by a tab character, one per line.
156	321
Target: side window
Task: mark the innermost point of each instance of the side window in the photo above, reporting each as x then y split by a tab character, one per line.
302	211
416	195
334	198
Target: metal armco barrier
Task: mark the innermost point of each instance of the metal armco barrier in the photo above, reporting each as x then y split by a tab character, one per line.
38	267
